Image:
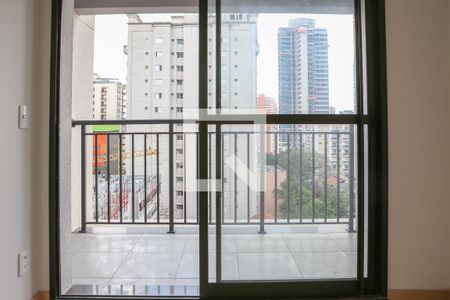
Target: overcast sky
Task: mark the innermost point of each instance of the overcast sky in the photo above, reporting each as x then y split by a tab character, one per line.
111	36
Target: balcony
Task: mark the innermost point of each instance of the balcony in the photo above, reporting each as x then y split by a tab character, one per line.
143	261
140	236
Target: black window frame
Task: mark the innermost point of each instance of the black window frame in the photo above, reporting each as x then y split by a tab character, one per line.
371	53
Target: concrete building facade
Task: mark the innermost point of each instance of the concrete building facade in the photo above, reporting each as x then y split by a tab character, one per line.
162	83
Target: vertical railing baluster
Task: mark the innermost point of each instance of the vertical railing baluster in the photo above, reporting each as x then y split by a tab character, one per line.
171	185
351	221
301	178
132	178
184	180
288	178
145	178
197	199
248	177
313	169
108	174
209	177
222	171
325	192
261	181
83	179
120	180
235	177
157	179
338	175
276	177
96	177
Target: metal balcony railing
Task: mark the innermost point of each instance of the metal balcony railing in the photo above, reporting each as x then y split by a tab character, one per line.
138	177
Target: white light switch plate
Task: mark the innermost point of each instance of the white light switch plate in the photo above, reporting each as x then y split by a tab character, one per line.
24	262
23	117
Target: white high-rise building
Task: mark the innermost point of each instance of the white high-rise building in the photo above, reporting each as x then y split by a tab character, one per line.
162	83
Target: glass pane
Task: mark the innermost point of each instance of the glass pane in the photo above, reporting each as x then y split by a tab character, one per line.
289	202
137	185
289	57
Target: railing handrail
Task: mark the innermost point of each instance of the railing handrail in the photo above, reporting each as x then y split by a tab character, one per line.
281	119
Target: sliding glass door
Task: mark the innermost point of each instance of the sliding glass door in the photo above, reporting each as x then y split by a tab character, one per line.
285	126
218	148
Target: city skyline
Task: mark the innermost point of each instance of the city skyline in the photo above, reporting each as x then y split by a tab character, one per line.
111	36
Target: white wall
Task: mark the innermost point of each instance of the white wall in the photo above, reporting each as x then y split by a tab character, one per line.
23	153
418	52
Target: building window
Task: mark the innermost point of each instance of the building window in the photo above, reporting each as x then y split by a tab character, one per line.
235	80
179	95
179	179
157	109
180	68
158	40
157	96
180	54
158	54
146	53
235	53
179	109
180	42
180	206
179	151
146	67
180	193
179	81
158	81
158	68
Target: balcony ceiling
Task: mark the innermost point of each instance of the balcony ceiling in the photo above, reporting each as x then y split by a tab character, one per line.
87	7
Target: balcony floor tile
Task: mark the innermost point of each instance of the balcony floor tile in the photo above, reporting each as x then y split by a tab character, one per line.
161	244
149	265
261	244
111	243
325	265
266	266
297	243
96	264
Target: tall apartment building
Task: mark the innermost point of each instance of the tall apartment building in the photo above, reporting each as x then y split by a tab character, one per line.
304	89
163	84
303	73
303	68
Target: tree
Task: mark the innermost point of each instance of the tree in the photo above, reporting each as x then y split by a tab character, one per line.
299	193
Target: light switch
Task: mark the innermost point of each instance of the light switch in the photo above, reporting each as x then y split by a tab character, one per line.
24	262
23	117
